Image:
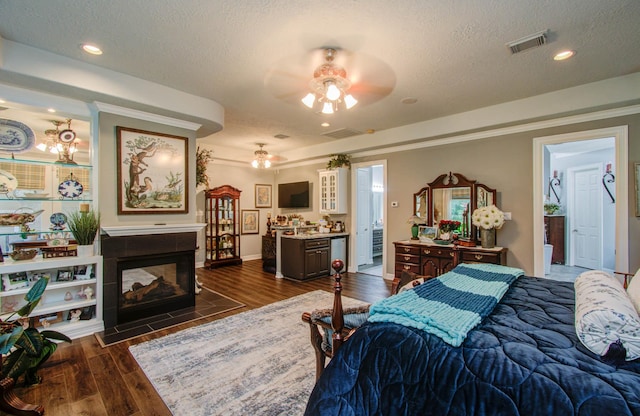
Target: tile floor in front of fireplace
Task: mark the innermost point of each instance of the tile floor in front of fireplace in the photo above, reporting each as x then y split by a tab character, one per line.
207	303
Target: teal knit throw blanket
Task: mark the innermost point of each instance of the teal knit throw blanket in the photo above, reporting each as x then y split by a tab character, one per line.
450	305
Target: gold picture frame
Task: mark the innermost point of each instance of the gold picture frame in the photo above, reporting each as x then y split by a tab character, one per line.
263	196
250	221
152	172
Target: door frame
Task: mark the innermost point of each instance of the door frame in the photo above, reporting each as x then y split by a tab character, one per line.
353	228
571	207
621	138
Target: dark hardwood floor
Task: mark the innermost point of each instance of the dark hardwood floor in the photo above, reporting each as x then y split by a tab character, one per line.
83	378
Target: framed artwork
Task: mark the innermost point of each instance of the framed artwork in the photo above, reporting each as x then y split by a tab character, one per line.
250	221
263	196
152	172
427	234
636	175
64	276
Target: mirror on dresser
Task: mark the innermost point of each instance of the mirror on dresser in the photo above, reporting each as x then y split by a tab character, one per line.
452	196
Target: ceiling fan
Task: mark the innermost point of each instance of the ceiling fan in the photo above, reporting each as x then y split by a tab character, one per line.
262	159
293	77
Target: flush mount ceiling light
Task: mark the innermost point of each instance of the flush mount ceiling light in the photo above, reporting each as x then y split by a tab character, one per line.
561	56
260	161
92	49
329	87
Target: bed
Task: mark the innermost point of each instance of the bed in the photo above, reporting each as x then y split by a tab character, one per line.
523	358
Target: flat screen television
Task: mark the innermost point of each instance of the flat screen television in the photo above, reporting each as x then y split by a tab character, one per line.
293	195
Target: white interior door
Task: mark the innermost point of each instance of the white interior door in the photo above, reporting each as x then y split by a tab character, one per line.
363	206
586	217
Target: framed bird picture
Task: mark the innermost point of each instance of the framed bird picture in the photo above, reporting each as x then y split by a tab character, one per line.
152	172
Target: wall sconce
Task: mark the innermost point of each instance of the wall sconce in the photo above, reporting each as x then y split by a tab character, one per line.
555	181
608	177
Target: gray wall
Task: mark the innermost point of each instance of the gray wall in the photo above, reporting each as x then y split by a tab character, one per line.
504	163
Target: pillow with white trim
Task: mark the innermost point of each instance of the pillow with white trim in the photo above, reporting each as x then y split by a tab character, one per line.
633	290
607	323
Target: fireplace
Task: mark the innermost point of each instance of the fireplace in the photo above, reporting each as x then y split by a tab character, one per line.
147	275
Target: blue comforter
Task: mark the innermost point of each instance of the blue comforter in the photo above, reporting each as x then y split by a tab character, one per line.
523	359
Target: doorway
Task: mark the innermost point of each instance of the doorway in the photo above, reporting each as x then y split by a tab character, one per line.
369	218
596	230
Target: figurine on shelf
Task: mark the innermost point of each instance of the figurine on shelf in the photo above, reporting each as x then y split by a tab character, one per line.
88	292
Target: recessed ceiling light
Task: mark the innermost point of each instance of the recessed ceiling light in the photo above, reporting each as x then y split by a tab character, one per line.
561	56
409	100
325	124
92	49
2	101
51	110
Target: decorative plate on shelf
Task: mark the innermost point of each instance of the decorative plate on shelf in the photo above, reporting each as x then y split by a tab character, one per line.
58	219
70	188
15	137
8	182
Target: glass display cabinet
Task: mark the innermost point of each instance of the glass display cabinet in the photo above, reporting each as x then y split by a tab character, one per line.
222	216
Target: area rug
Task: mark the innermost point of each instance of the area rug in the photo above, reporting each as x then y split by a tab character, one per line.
208	303
258	362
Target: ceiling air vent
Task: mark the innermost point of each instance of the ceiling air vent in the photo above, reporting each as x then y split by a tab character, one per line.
281	136
342	133
528	42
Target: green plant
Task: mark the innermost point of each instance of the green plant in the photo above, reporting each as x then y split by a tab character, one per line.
25	348
203	157
84	226
551	208
338	161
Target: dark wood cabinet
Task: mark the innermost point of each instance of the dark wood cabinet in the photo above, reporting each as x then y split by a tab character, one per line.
305	258
222	216
434	260
554	227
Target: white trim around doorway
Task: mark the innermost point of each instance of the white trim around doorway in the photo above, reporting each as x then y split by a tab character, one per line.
620	134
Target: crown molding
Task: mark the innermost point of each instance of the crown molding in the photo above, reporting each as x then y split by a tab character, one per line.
143	115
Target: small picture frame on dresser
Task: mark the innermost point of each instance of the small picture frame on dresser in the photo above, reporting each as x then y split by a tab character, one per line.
427	234
83	272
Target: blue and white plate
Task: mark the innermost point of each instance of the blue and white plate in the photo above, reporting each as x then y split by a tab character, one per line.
15	137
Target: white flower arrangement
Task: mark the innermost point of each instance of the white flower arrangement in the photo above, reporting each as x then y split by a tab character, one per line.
488	217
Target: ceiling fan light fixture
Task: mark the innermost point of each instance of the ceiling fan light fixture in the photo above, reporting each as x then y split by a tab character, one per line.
327	108
349	101
309	99
260	161
329	87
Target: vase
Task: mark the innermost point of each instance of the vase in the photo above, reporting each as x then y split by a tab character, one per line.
85	250
445	235
488	237
414	232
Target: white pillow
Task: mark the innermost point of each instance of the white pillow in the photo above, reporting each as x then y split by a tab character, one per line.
605	314
633	290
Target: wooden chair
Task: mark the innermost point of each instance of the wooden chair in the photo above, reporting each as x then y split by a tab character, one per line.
325	325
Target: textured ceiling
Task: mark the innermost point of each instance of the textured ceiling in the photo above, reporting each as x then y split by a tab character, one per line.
256	57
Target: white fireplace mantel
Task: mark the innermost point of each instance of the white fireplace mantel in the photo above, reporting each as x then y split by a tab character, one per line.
127	230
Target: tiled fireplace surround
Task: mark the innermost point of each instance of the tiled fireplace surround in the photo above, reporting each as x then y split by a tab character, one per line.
127	247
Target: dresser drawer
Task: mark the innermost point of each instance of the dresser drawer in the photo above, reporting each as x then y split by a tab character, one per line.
480	257
409	267
407	250
434	251
407	258
316	243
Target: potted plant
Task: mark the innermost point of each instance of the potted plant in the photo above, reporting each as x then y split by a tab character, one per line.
338	161
203	157
24	349
84	226
551	208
